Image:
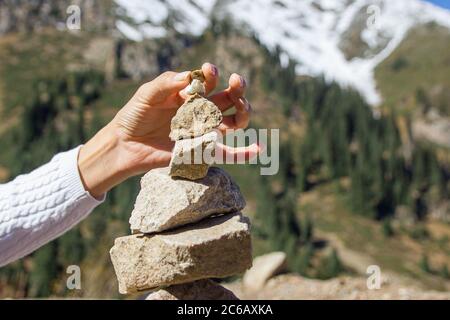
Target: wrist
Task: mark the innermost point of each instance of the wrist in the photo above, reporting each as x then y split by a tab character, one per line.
99	162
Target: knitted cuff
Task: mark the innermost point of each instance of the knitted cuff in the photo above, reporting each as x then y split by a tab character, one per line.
69	166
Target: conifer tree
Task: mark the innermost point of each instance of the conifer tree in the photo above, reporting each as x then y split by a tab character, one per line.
330	266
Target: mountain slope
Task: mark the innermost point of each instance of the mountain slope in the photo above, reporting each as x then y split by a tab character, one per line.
344	40
411	69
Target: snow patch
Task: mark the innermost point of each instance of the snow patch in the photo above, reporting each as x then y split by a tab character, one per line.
307	31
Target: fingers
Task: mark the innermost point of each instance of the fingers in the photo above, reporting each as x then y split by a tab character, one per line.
240	119
171	83
237	85
233	96
227	98
226	154
211	74
167	84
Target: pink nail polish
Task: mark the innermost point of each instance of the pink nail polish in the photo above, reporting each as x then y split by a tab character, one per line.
214	70
242	81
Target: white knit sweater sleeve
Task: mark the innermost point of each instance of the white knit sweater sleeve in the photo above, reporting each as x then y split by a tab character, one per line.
37	207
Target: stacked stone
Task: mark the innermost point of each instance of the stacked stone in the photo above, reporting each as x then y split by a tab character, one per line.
186	225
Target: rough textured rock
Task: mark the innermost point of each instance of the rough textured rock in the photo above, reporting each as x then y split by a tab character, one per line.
194	118
264	268
198	75
164	202
191	158
197	290
214	248
196	86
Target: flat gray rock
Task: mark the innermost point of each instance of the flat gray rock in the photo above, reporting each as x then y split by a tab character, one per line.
194	118
214	248
197	290
165	202
191	158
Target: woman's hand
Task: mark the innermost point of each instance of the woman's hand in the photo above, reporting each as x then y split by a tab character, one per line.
137	139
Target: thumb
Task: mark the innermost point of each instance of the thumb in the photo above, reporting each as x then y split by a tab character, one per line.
231	155
164	86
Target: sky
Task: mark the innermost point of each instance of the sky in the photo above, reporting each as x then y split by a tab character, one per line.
442	3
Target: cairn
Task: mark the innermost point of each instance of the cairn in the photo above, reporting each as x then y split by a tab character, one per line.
186	225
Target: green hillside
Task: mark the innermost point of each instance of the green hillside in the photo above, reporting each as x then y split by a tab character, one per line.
416	75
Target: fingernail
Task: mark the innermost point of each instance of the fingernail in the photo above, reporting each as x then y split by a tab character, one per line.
242	81
214	70
245	103
182	76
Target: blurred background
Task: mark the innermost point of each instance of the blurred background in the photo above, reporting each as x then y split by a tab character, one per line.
360	90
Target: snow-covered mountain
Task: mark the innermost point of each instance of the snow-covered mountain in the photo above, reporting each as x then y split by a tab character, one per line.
344	40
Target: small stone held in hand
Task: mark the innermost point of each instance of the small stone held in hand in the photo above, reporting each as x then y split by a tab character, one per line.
196	86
